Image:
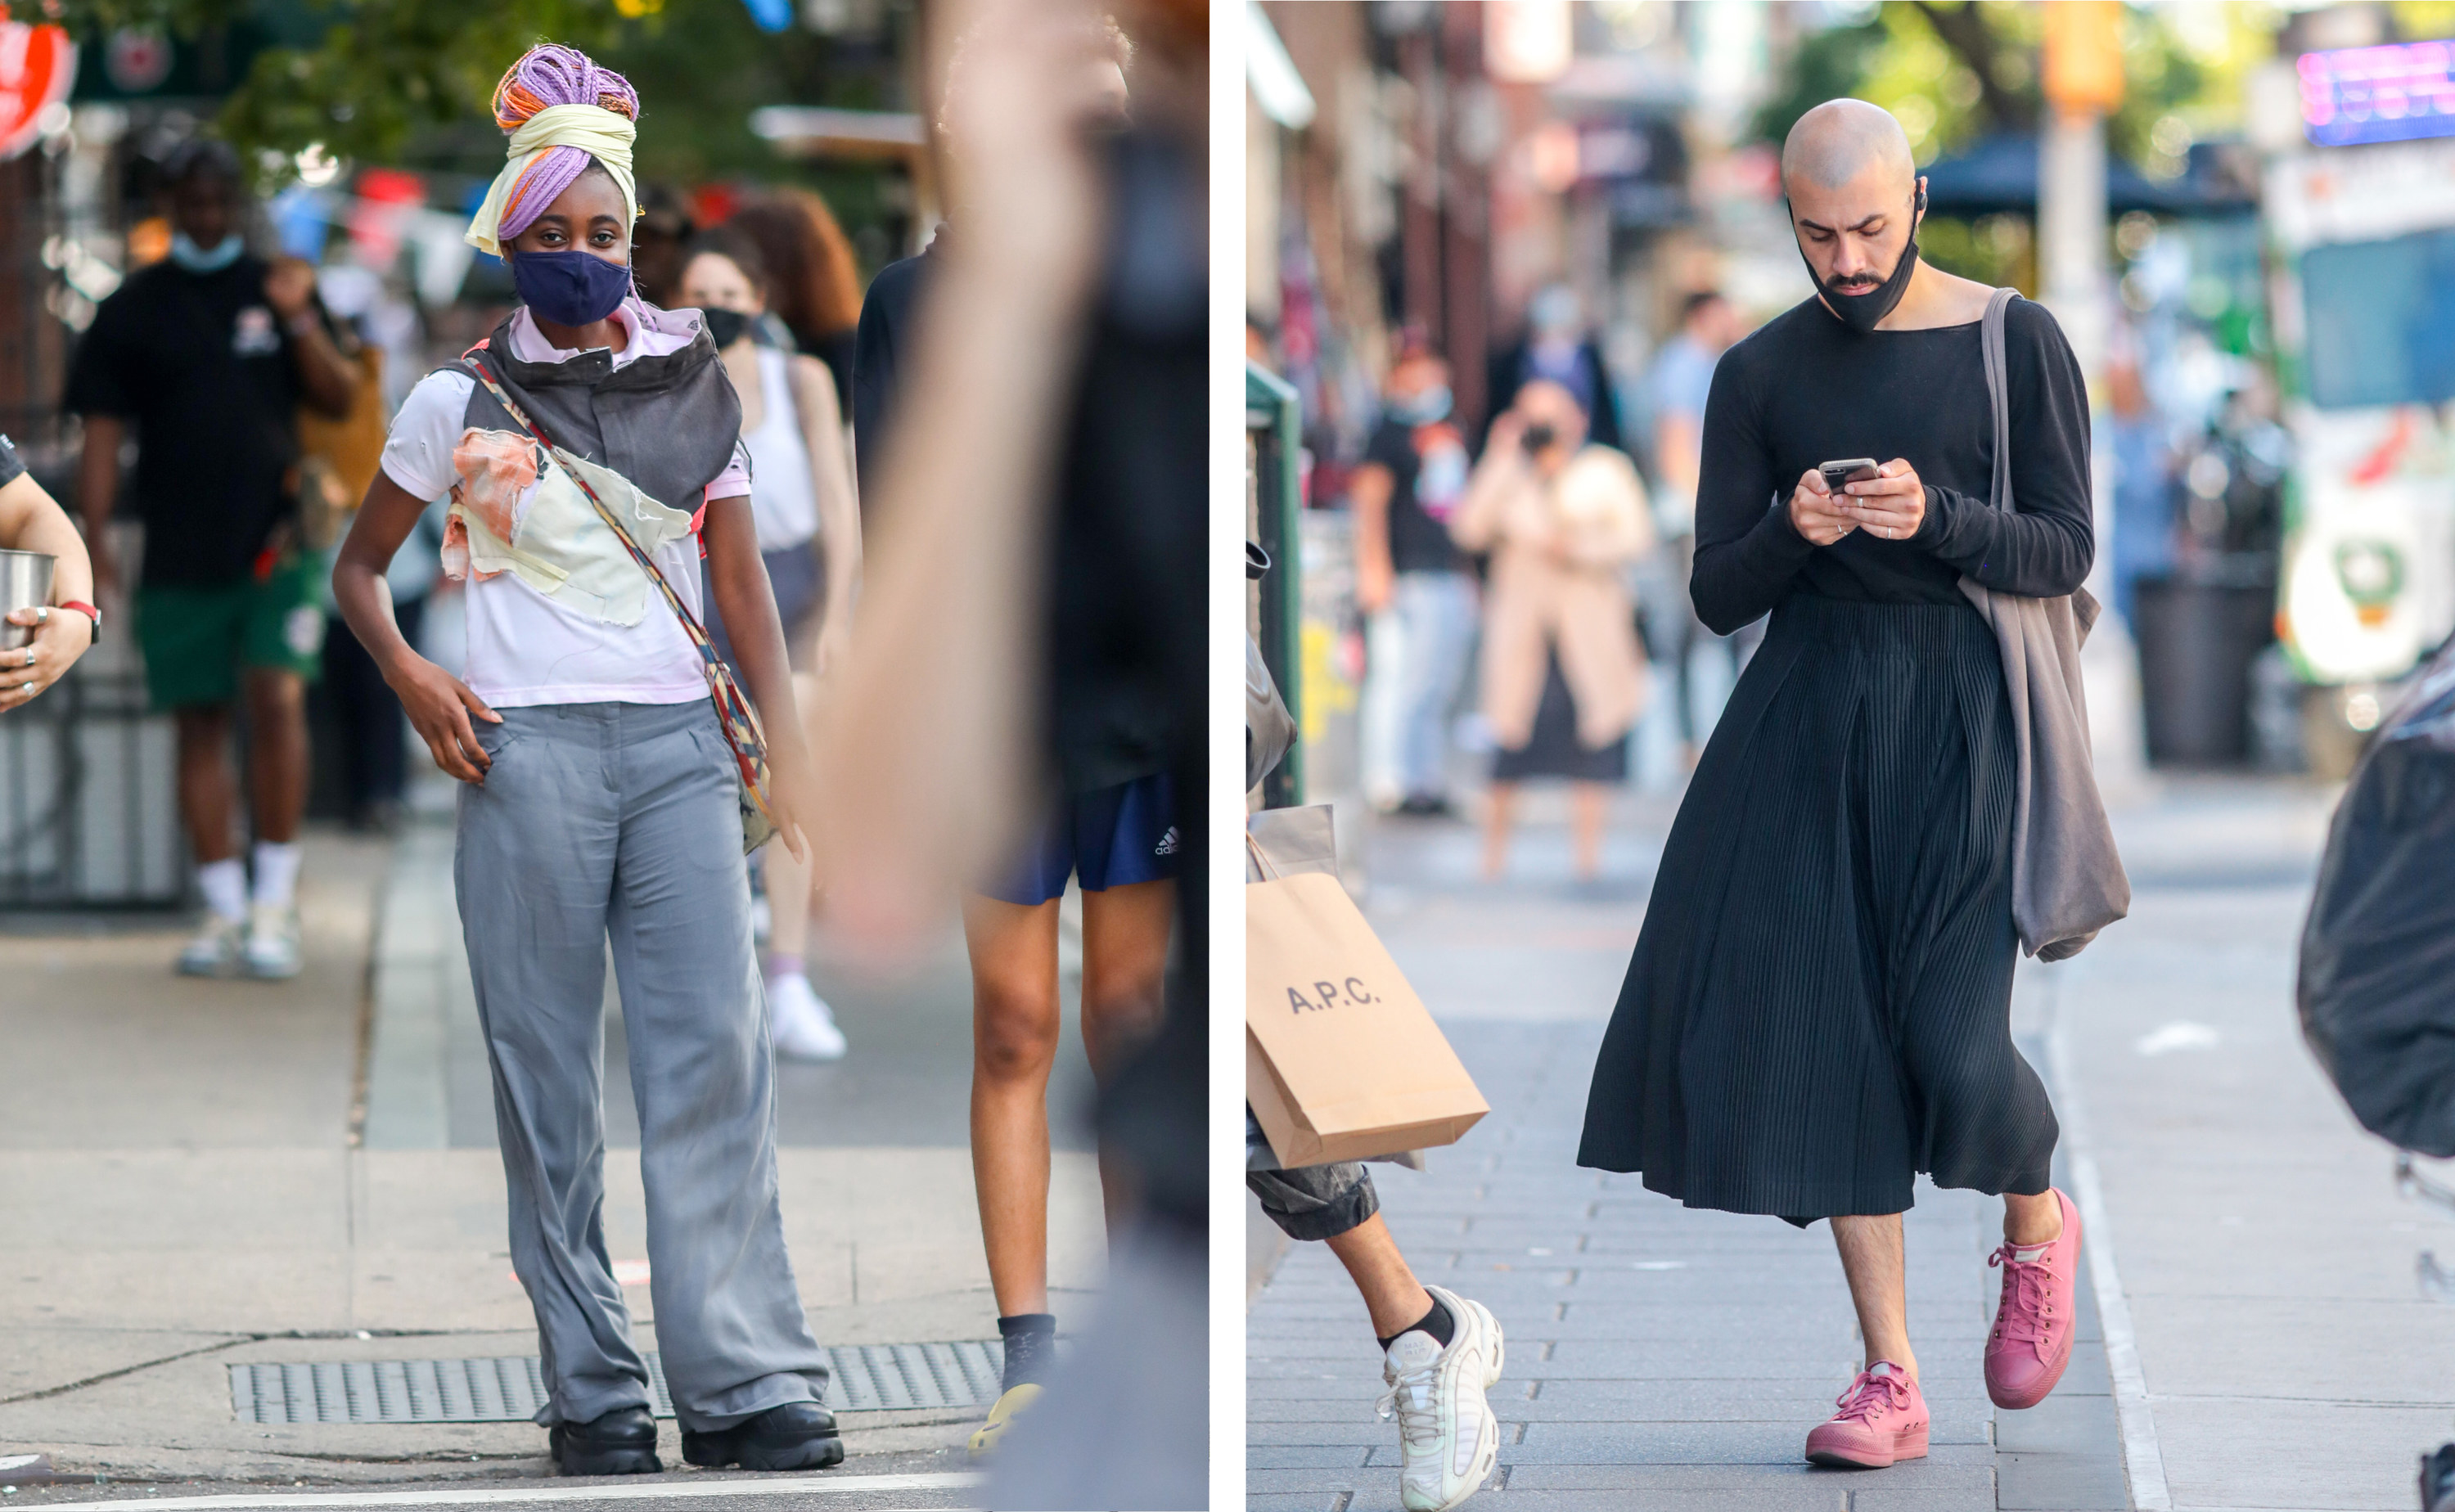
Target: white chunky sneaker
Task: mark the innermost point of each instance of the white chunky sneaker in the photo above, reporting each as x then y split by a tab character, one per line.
1448	1438
217	952
273	943
799	1021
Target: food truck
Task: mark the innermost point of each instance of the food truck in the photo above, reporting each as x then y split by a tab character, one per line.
2362	224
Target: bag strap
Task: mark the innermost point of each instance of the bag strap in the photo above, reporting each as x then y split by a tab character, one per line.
1990	346
1261	862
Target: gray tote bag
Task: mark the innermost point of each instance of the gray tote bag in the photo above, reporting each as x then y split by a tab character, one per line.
2067	882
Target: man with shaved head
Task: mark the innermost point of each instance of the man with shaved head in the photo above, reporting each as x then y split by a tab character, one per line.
1818	1008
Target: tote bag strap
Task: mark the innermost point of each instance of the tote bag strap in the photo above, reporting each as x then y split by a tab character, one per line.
1990	344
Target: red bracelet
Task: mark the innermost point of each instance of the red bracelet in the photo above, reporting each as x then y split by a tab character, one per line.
90	613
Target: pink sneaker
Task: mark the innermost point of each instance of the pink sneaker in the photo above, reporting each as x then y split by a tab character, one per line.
2032	1340
1882	1419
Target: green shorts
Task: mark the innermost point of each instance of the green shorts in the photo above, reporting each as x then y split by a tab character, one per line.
196	639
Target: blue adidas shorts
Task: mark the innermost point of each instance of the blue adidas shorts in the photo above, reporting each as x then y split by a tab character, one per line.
1109	836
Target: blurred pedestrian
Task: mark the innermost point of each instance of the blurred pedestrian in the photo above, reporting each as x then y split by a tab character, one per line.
603	801
1030	401
1818	1007
660	244
1704	664
209	355
1558	345
814	282
1563	677
337	462
809	538
2143	486
63	627
1113	826
1416	587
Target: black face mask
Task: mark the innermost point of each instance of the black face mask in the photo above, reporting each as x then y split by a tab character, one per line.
724	327
1860	311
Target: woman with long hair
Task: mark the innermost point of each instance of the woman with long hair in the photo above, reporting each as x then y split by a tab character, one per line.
814	281
809	537
602	801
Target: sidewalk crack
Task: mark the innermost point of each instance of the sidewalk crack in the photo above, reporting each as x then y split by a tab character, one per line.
231	1342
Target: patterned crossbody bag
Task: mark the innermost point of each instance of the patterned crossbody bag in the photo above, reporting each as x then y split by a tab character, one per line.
742	732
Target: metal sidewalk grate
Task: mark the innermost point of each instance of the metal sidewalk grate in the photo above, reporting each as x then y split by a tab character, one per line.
860	1378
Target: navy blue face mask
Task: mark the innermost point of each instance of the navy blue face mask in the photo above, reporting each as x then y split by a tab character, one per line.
569	288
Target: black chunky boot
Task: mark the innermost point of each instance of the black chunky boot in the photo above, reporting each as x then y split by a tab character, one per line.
796	1435
621	1442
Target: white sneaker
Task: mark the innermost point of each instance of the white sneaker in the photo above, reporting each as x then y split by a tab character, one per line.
799	1021
218	950
1448	1438
273	943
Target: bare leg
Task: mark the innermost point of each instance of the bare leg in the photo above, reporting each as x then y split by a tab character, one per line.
276	752
1391	1294
2031	1219
1500	812
207	791
1013	952
1124	968
1588	802
1872	1258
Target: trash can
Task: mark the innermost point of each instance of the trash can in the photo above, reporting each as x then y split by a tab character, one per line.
2199	638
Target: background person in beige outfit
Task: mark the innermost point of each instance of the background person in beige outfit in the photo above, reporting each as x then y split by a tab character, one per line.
1563	677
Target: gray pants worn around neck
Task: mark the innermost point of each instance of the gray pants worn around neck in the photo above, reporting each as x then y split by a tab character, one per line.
619	821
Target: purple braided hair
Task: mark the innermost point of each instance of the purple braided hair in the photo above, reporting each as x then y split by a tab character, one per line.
552	74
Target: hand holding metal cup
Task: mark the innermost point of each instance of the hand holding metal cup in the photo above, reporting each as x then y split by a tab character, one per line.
38	644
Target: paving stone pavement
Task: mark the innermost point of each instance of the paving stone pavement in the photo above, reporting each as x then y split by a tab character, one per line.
1656	1356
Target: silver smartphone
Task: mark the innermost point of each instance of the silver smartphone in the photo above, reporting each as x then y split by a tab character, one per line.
1849	470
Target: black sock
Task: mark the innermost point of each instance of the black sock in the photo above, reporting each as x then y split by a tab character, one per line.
1437	1322
1030	1348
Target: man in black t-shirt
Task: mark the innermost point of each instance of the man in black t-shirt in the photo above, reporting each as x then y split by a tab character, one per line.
207	355
1412	583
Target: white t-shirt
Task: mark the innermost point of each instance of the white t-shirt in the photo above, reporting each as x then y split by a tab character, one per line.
525	647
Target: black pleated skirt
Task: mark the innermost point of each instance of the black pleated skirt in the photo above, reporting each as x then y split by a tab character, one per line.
1819	1005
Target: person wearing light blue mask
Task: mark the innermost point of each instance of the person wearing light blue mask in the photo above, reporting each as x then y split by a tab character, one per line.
209	354
196	259
1413	585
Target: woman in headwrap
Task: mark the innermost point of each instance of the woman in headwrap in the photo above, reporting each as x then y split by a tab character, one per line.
601	798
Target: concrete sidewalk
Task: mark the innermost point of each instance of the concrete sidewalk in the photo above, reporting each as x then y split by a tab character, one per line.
2284	1359
180	1191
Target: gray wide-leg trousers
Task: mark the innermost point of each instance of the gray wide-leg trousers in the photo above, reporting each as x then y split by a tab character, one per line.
611	820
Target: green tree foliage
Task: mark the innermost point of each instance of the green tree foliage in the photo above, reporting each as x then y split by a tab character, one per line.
1955	73
382	73
408	81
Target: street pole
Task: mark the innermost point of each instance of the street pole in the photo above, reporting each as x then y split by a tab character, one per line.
2084	82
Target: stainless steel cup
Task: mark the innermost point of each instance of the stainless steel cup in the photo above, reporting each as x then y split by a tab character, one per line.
25	582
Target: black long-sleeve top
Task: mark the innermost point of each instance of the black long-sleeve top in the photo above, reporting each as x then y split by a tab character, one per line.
1805	388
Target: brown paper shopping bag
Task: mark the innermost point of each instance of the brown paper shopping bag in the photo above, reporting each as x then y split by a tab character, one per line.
1342	1061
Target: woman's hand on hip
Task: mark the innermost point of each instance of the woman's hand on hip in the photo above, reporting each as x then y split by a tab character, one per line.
1891	505
440	707
61	635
